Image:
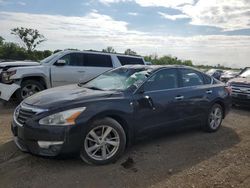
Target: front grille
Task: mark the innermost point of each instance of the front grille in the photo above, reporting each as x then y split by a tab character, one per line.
24	112
24	115
241	90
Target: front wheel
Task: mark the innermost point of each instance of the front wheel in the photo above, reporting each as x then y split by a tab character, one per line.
28	88
214	118
103	143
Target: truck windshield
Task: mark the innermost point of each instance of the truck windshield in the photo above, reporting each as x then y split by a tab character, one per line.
51	57
246	73
119	79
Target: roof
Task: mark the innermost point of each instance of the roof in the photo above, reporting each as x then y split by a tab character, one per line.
100	52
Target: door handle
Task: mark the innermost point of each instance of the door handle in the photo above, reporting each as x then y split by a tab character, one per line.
209	91
81	71
179	98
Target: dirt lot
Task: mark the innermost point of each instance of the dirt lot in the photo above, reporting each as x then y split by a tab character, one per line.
181	159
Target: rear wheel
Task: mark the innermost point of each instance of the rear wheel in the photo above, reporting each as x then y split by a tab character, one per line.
28	88
214	118
103	143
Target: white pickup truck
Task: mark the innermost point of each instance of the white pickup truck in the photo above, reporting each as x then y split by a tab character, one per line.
24	78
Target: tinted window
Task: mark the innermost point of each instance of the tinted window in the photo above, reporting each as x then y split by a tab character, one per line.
97	60
207	79
191	77
74	59
130	60
164	79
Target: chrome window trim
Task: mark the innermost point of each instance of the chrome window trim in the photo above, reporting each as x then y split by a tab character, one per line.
212	81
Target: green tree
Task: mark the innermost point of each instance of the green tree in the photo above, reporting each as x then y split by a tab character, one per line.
1	40
109	49
30	37
130	52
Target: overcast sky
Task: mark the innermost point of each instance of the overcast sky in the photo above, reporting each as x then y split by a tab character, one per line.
206	31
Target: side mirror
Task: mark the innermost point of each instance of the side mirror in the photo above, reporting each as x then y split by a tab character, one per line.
61	62
146	102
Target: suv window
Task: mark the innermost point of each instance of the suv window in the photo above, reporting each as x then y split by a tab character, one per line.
130	60
191	77
97	60
164	79
73	59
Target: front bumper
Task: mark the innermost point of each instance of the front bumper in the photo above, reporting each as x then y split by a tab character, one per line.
7	90
46	140
241	99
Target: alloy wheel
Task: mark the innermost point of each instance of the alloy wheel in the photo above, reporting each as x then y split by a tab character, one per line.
215	118
102	142
29	90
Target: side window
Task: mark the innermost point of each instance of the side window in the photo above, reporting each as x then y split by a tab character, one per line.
164	79
207	79
191	77
130	60
73	59
97	60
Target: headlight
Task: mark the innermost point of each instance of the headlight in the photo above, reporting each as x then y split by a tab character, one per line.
6	76
67	117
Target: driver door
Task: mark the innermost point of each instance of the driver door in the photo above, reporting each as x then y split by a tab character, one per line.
158	104
70	73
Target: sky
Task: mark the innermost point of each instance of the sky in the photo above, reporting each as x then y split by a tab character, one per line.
208	32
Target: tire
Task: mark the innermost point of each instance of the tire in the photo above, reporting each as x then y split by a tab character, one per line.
28	88
96	154
214	118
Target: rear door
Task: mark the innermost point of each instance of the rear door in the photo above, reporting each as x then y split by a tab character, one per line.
130	60
194	94
96	64
72	72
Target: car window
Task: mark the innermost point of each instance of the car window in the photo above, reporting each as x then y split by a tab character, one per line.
97	60
130	60
163	79
191	77
73	59
207	79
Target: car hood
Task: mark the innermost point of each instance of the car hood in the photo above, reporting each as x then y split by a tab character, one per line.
240	80
6	65
64	95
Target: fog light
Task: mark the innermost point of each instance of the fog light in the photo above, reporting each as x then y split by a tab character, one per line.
47	144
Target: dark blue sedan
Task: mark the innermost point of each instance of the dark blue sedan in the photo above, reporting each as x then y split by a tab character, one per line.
99	118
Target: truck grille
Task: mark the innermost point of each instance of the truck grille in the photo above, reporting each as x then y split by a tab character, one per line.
241	89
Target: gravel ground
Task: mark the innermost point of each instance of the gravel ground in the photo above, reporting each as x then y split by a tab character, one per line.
188	158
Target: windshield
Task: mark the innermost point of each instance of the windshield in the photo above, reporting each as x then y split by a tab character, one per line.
211	71
48	59
246	73
119	79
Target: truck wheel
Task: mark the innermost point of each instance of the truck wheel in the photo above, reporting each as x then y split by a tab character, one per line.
28	88
104	142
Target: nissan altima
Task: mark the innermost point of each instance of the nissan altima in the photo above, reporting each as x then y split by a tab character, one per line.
100	118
